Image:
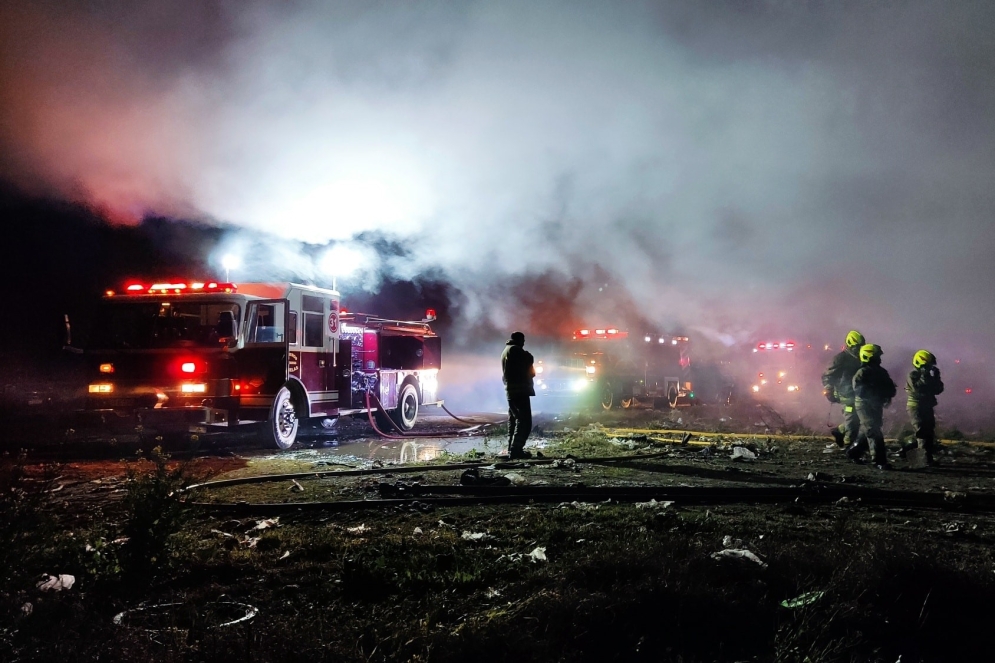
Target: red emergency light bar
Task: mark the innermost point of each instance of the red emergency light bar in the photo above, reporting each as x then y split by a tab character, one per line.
599	333
782	345
178	288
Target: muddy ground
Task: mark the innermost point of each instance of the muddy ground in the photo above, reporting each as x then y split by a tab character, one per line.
620	543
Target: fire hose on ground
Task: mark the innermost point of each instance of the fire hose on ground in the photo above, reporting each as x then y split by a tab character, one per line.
806	492
406	435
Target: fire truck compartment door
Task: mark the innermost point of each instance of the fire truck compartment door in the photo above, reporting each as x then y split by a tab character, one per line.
262	362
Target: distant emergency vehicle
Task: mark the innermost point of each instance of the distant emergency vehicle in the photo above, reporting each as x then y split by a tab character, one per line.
211	356
612	368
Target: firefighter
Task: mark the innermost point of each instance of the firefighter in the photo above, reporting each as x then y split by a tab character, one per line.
837	384
923	386
518	372
873	390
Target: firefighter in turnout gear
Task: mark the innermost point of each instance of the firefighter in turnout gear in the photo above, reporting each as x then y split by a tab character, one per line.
837	383
873	390
518	372
923	386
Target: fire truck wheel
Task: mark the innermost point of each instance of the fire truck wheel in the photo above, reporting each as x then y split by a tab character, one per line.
407	407
607	396
627	402
283	420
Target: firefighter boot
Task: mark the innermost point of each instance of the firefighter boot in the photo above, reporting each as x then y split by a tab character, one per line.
927	445
857	449
839	437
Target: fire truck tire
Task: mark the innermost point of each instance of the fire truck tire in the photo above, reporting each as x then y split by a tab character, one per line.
626	401
282	424
406	413
607	395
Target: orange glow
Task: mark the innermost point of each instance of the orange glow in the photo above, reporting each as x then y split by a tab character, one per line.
107	368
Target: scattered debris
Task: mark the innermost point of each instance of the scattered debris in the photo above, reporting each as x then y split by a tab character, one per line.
296	488
738	553
418	532
359	529
482	477
285	555
742	453
476	536
582	506
56	583
567	463
729	542
492	593
539	554
266	523
808	598
515	479
653	505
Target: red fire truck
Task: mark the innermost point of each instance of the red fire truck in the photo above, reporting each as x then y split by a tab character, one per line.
612	368
208	356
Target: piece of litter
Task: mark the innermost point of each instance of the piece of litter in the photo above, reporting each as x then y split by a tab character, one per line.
296	488
358	529
742	453
653	505
807	598
476	536
729	542
515	479
492	593
285	555
417	532
266	524
736	553
56	583
582	506
539	554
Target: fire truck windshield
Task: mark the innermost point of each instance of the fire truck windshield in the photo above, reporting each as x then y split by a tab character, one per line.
164	324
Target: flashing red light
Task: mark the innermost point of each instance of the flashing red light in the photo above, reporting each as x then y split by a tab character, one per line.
179	288
188	367
599	332
760	375
430	314
969	391
613	331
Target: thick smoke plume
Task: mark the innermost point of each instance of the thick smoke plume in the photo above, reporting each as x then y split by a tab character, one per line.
738	170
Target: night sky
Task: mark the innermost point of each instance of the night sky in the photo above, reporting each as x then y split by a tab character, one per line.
736	170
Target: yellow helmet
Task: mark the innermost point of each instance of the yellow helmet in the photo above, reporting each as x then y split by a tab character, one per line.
854	339
869	352
923	358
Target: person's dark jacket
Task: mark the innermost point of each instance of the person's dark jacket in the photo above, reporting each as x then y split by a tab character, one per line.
872	384
838	378
518	371
923	386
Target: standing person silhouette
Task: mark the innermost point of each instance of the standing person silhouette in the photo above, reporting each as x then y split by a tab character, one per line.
517	372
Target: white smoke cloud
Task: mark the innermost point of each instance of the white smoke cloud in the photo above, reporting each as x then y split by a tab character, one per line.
737	168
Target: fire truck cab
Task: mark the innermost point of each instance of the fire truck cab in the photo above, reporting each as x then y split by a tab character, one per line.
612	368
212	356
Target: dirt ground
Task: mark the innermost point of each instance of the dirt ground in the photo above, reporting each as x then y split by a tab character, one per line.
608	547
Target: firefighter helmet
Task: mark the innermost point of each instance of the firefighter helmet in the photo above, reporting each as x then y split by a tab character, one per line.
854	339
923	358
869	352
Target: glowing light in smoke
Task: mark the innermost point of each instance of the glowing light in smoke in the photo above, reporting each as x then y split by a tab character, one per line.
343	259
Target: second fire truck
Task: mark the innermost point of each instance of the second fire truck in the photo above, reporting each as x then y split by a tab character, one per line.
613	368
199	356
